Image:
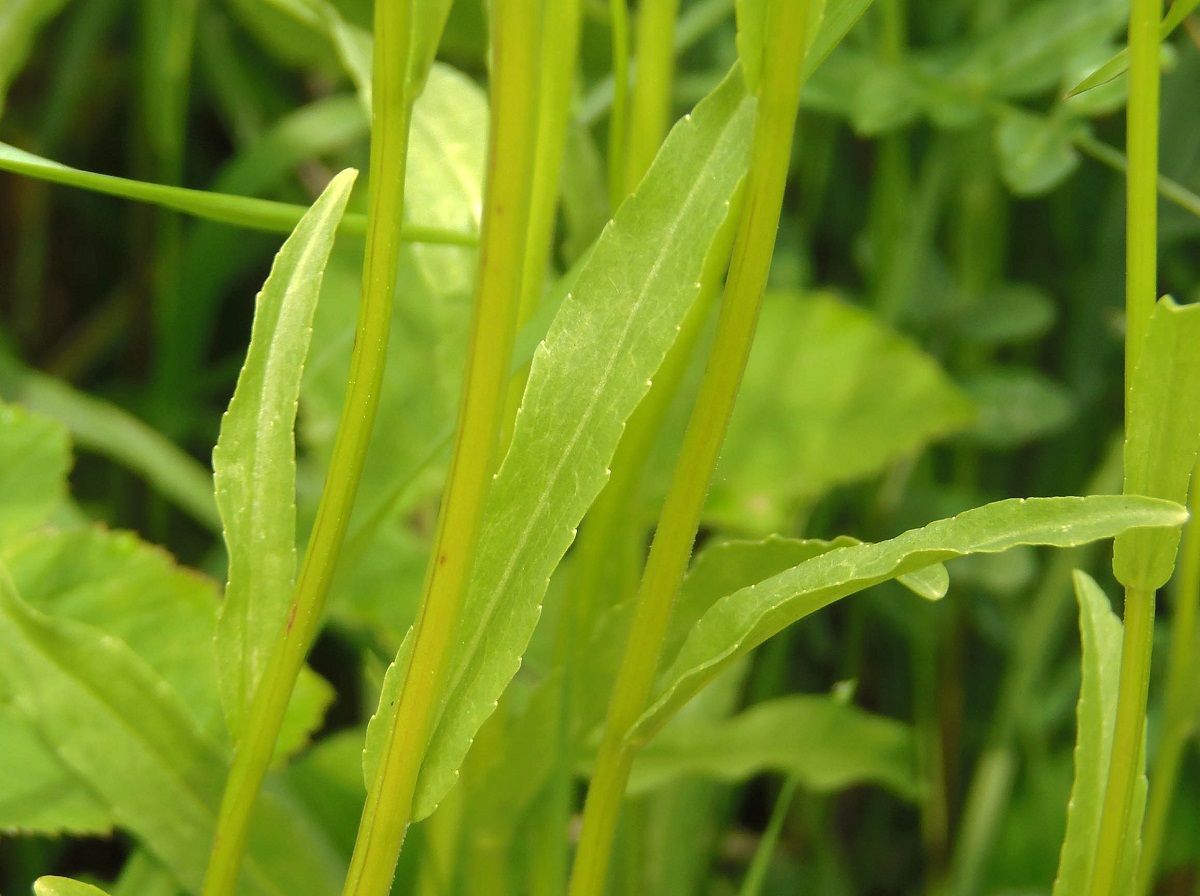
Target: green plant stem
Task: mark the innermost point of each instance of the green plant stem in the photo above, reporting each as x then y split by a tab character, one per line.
618	122
673	540
756	874
1181	704
1169	189
651	104
388	809
389	152
1141	259
223	208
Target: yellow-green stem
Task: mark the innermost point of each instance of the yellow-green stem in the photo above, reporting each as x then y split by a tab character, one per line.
650	109
618	122
389	803
669	554
1181	704
255	744
1117	825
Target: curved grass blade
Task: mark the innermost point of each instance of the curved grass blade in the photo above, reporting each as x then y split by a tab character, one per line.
741	621
64	886
586	378
237	211
254	463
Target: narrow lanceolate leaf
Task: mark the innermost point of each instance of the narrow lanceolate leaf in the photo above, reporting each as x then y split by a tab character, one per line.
254	463
1096	712
126	736
821	741
1162	436
741	621
586	378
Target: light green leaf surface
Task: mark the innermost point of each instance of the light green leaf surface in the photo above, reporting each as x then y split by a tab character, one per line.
163	613
1162	436
254	465
823	742
741	621
1096	712
96	425
1036	151
125	733
21	21
34	461
629	299
797	431
64	886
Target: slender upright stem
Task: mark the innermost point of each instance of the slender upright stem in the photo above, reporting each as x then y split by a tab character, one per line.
753	248
618	122
389	152
1141	258
651	106
388	810
1181	704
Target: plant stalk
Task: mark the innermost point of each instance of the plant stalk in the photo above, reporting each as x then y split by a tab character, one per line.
753	247
388	808
650	110
256	743
1181	705
1141	259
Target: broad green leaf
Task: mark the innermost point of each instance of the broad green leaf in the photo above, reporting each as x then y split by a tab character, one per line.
797	432
822	741
126	735
237	211
21	21
254	466
164	614
1119	64
1035	151
1096	713
630	298
1162	436
1013	313
38	794
96	425
741	621
34	461
64	886
1017	406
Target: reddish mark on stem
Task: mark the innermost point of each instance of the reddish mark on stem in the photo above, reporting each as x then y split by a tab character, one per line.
291	619
441	559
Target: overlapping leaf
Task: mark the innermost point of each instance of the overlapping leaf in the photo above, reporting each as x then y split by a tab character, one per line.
741	621
586	379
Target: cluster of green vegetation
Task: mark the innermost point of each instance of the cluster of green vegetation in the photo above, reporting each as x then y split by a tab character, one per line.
608	348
